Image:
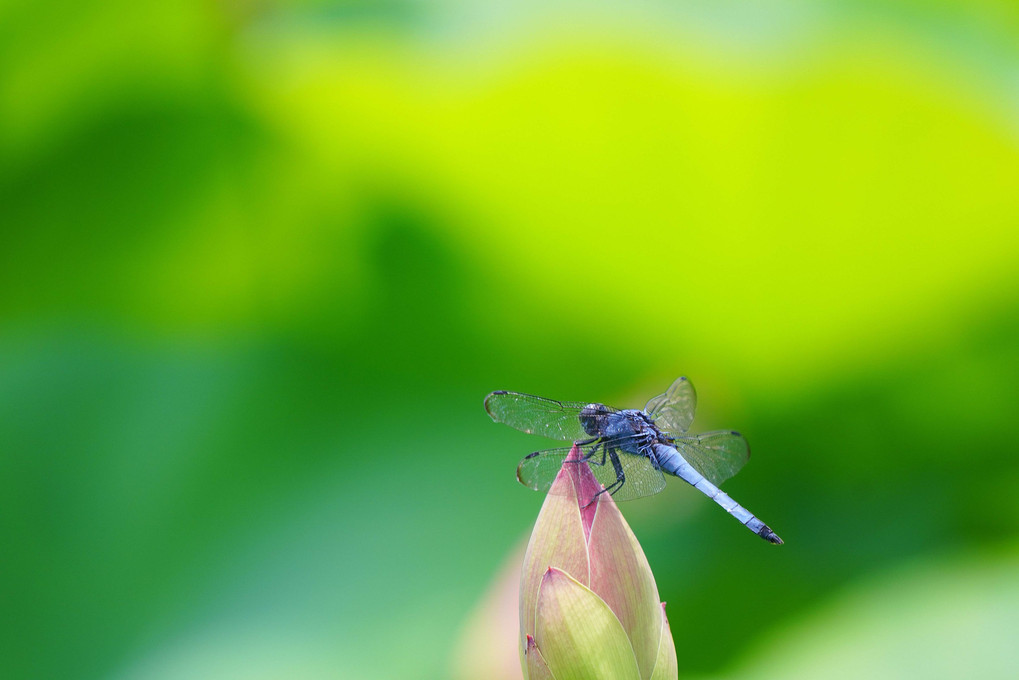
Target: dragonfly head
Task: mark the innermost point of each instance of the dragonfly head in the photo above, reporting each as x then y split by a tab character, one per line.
593	419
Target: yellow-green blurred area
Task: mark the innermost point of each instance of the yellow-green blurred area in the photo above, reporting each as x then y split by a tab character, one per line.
260	263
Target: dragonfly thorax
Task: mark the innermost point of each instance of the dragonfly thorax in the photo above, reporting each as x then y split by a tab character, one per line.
600	421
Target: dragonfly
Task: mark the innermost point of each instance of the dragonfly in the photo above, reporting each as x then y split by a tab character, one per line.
629	450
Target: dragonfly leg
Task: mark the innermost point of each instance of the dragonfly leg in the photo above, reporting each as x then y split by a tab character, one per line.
590	454
620	476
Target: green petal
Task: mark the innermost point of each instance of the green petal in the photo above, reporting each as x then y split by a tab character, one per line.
535	667
666	666
621	576
579	636
557	541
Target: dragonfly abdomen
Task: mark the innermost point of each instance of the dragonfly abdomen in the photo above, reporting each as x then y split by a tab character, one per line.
670	460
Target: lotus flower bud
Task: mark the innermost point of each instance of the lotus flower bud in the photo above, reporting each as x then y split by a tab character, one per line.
589	606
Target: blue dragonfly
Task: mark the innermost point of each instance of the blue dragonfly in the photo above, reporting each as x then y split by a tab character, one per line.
628	450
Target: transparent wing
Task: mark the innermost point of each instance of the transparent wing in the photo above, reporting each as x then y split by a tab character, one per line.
716	455
641	478
538	415
673	411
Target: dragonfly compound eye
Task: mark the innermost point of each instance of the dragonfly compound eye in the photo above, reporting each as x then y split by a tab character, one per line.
592	419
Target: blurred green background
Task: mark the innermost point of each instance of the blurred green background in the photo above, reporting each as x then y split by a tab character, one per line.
260	262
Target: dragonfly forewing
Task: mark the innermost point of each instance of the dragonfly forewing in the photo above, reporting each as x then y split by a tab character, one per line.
537	415
674	410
